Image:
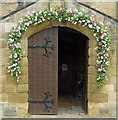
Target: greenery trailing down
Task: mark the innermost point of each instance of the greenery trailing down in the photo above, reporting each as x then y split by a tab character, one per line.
61	15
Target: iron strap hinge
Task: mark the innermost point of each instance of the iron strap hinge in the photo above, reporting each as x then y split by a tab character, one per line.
45	47
45	101
35	46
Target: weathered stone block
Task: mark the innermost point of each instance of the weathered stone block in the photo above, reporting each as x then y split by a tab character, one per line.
10	88
3	79
23	109
55	23
111	70
4	70
63	24
1	52
10	112
24	79
112	98
4	97
92	52
112	52
2	88
113	60
92	60
101	97
92	44
92	79
55	4
93	112
113	45
3	60
4	36
13	6
10	80
9	26
9	109
107	109
25	53
0	69
113	79
22	88
7	52
92	70
24	61
18	97
3	43
105	112
24	70
92	87
107	89
24	44
92	104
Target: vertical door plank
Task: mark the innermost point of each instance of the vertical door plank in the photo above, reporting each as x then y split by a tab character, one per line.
43	73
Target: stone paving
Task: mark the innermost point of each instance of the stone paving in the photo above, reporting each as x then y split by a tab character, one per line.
69	107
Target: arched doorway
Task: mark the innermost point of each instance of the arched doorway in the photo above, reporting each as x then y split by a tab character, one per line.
72	70
44	79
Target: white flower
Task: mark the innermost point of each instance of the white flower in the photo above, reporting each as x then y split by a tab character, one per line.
33	12
90	25
96	47
94	34
9	67
42	19
76	10
35	18
10	56
80	13
80	21
39	12
59	20
51	9
98	27
75	23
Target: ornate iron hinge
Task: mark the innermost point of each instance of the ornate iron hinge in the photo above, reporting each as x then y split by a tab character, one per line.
45	101
45	46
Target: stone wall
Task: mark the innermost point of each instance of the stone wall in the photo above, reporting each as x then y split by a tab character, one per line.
105	6
14	96
7	6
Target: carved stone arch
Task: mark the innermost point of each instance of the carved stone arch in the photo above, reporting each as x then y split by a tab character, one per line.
84	30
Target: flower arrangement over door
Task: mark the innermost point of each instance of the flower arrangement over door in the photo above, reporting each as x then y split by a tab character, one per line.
76	16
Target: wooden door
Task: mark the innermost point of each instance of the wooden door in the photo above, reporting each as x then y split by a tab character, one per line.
85	80
43	72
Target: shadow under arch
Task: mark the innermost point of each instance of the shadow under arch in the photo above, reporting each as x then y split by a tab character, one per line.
72	69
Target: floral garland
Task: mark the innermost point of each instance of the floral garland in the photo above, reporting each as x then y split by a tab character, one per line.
61	15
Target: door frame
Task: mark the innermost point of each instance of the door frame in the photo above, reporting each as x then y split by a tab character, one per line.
85	30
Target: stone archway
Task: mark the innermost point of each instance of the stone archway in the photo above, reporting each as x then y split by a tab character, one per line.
85	30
